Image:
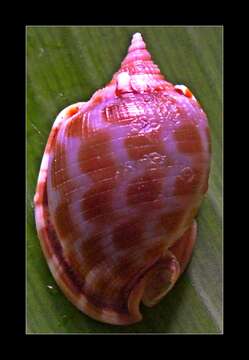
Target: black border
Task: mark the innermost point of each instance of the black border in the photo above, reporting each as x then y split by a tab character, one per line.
17	86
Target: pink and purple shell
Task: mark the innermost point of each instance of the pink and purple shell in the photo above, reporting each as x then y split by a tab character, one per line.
121	181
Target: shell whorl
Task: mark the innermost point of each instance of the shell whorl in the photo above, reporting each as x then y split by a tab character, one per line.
137	51
138	72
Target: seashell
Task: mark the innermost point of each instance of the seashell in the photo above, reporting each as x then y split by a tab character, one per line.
120	184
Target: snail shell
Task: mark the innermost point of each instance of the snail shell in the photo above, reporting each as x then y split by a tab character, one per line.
120	183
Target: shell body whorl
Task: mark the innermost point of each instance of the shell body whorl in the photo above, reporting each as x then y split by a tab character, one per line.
121	181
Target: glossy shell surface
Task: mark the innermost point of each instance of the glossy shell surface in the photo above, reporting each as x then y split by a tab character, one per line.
121	181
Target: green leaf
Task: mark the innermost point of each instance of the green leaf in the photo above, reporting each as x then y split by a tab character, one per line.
66	65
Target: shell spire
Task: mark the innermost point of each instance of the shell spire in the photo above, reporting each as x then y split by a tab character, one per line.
137	51
138	72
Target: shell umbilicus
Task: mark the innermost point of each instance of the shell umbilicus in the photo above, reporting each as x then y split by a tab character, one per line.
120	183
